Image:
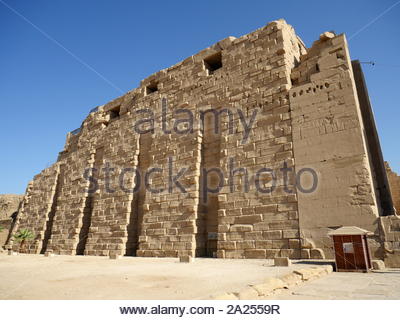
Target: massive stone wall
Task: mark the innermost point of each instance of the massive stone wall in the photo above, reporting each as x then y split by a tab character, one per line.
38	207
394	182
255	224
9	205
283	112
328	136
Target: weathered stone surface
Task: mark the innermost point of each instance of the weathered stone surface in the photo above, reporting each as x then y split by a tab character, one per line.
305	253
282	262
250	219
291	279
241	227
269	285
317	254
273	285
255	254
308	273
391	228
313	273
185	259
9	204
394	183
326	36
378	265
272	253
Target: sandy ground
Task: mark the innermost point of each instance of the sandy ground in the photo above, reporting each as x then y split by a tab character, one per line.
88	277
376	285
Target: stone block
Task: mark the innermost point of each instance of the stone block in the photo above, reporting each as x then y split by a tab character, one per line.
317	254
254	235
267	208
261	226
234	254
255	254
221	212
230	245
290	234
291	279
263	244
305	254
268	286
294	243
282	262
221	254
280	244
392	260
378	265
271	253
282	225
310	273
250	219
241	228
245	244
186	259
326	36
287	207
272	235
222	198
290	253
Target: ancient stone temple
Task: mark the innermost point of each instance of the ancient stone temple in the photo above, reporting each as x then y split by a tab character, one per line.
255	147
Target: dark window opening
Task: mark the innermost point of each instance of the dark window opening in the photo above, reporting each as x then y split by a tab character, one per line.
114	113
317	67
152	87
213	63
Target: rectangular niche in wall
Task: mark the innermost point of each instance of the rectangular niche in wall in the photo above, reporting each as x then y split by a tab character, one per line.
213	63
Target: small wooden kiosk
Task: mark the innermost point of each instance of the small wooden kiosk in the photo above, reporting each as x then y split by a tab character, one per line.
351	249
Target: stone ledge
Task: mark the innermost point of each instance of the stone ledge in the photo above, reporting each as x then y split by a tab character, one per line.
270	285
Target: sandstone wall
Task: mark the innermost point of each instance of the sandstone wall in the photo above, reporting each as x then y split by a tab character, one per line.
9	205
306	116
394	182
260	224
37	206
328	136
390	227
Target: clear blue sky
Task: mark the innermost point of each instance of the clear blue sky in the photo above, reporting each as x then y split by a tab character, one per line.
45	92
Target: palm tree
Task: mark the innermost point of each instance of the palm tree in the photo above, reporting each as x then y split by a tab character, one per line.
22	236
